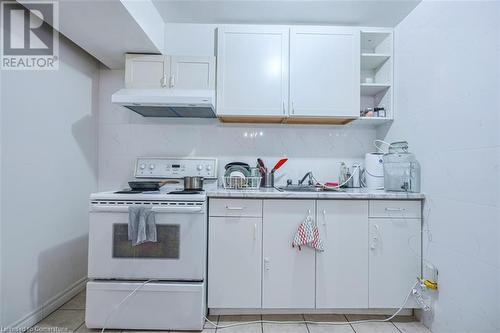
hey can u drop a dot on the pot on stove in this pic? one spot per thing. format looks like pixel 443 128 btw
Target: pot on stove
pixel 193 183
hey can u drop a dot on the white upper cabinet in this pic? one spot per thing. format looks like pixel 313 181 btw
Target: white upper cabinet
pixel 160 71
pixel 146 70
pixel 188 72
pixel 252 71
pixel 324 72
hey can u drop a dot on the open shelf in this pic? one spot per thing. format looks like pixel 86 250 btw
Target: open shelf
pixel 376 42
pixel 372 89
pixel 372 61
pixel 376 67
pixel 371 121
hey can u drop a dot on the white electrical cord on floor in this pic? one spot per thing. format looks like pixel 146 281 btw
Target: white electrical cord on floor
pixel 320 322
pixel 122 302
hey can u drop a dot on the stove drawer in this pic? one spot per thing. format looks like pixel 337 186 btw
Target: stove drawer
pixel 155 306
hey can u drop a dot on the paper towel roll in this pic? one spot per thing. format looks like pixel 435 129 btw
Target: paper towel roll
pixel 374 170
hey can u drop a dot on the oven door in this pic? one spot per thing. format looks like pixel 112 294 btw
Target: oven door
pixel 179 253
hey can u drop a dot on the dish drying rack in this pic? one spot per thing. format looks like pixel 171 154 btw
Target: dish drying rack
pixel 240 183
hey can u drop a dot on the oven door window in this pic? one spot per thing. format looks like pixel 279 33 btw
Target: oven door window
pixel 167 246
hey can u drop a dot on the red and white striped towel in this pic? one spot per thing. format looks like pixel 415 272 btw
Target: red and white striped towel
pixel 308 234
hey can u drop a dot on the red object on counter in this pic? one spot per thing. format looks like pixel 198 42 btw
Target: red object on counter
pixel 279 164
pixel 332 184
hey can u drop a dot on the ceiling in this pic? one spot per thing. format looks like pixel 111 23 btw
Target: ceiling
pixel 344 12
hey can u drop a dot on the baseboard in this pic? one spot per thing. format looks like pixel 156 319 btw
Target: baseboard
pixel 404 312
pixel 48 307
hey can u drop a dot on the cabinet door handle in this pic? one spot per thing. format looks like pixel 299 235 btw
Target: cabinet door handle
pixel 293 108
pixel 163 81
pixel 255 231
pixel 375 237
pixel 388 209
pixel 284 110
pixel 234 208
pixel 172 81
pixel 324 216
pixel 267 263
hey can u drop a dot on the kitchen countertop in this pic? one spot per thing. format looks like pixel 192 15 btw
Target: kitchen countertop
pixel 352 193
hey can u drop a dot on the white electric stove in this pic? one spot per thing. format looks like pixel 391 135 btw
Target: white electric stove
pixel 175 265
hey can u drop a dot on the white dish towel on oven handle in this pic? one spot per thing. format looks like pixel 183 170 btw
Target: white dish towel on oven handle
pixel 141 225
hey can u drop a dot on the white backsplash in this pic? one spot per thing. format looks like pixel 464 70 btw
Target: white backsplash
pixel 125 135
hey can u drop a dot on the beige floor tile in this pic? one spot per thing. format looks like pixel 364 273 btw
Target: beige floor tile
pixel 284 328
pixel 412 327
pixel 212 318
pixel 283 317
pixel 76 303
pixel 68 320
pixel 205 330
pixel 224 320
pixel 403 319
pixel 323 328
pixel 85 329
pixel 252 328
pixel 356 317
pixel 149 331
pixel 324 317
pixel 382 327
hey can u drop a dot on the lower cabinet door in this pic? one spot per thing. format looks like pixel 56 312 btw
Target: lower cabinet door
pixel 234 262
pixel 342 269
pixel 289 273
pixel 395 252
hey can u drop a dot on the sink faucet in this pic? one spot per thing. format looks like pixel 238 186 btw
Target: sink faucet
pixel 307 175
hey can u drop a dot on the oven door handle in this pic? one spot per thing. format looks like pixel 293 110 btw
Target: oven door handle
pixel 177 210
pixel 124 209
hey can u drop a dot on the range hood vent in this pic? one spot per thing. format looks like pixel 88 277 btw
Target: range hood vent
pixel 185 103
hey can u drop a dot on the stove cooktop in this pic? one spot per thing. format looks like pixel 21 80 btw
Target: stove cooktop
pixel 126 195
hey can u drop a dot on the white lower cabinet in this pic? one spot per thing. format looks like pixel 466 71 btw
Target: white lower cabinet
pixel 372 254
pixel 288 279
pixel 342 269
pixel 235 262
pixel 395 260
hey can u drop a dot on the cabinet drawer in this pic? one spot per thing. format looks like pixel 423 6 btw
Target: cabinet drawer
pixel 235 207
pixel 395 209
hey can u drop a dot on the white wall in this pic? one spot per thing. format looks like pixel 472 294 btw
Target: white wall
pixel 48 168
pixel 447 101
pixel 125 135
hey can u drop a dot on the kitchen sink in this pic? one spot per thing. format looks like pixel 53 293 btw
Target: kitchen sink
pixel 307 188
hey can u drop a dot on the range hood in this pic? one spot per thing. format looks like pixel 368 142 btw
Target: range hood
pixel 187 103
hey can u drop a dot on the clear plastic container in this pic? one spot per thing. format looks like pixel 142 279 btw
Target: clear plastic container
pixel 401 169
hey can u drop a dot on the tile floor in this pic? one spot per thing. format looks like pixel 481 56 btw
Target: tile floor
pixel 71 316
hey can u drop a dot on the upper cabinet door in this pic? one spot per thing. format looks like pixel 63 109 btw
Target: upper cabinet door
pixel 188 72
pixel 324 72
pixel 146 71
pixel 252 71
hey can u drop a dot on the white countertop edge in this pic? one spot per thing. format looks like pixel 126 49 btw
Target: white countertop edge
pixel 358 193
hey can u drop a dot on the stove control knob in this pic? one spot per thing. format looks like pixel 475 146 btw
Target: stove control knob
pixel 151 166
pixel 142 166
pixel 199 167
pixel 208 168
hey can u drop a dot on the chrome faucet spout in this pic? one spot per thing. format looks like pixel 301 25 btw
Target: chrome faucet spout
pixel 307 175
